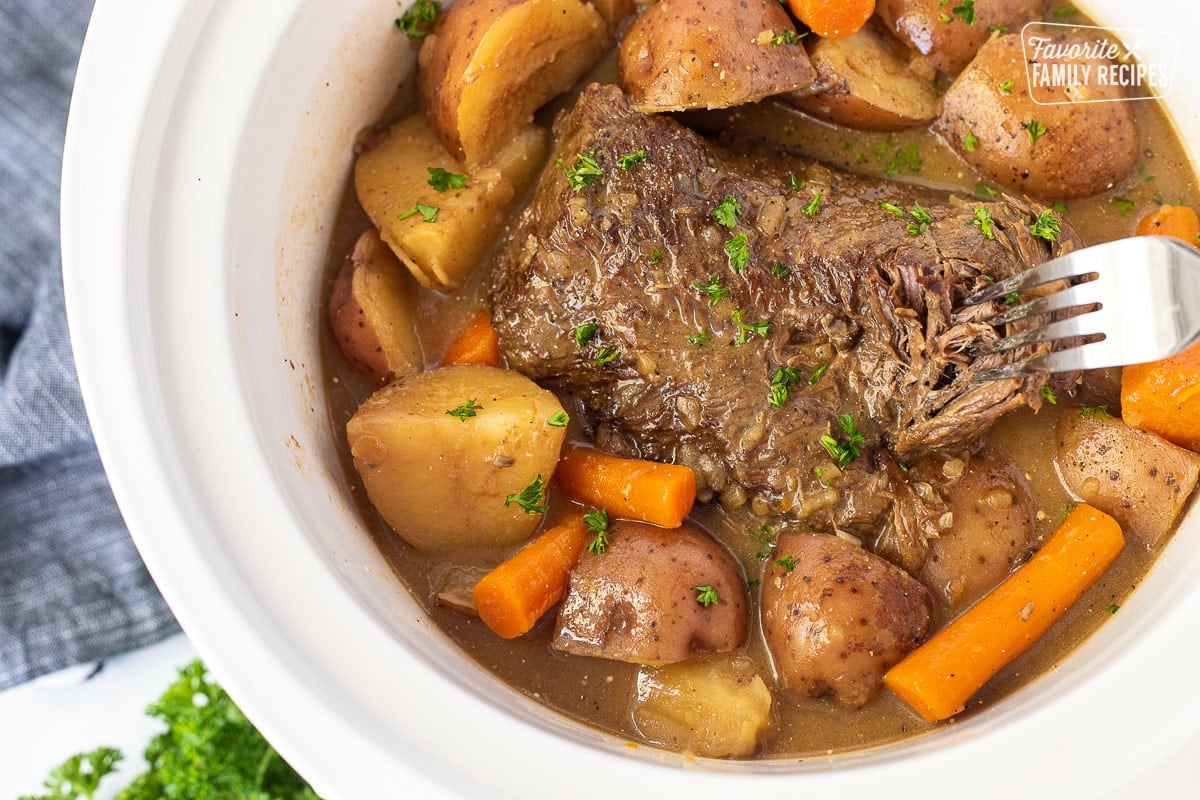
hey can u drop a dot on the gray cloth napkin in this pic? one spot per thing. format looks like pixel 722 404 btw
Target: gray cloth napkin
pixel 72 587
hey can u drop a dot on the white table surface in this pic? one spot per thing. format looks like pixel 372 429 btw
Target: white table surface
pixel 45 722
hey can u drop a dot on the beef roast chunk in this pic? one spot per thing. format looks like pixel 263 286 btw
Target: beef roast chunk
pixel 836 617
pixel 742 335
pixel 654 596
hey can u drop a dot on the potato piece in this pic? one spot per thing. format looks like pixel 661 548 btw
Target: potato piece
pixel 1075 150
pixel 835 617
pixel 683 54
pixel 441 481
pixel 1137 478
pixel 490 64
pixel 393 176
pixel 713 707
pixel 371 312
pixel 992 525
pixel 864 84
pixel 950 45
pixel 638 600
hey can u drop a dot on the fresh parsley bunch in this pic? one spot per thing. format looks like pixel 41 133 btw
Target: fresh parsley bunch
pixel 209 751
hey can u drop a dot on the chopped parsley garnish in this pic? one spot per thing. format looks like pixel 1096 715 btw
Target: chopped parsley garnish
pixel 418 20
pixel 428 213
pixel 1007 86
pixel 1112 608
pixel 794 183
pixel 558 419
pixel 780 270
pixel 966 10
pixel 606 355
pixel 713 288
pixel 1046 226
pixel 814 206
pixel 1011 299
pixel 727 211
pixel 1048 396
pixel 596 522
pixel 844 453
pixel 656 256
pixel 466 410
pixel 997 28
pixel 1095 412
pixel 781 385
pixel 817 373
pixel 1124 205
pixel 787 562
pixel 787 37
pixel 908 158
pixel 700 338
pixel 971 141
pixel 1035 130
pixel 762 535
pixel 531 499
pixel 1059 206
pixel 80 775
pixel 584 333
pixel 627 161
pixel 986 189
pixel 748 329
pixel 820 473
pixel 738 251
pixel 944 17
pixel 585 171
pixel 443 181
pixel 921 220
pixel 706 596
pixel 892 208
pixel 983 221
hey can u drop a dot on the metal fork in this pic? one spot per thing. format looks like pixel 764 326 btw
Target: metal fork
pixel 1124 302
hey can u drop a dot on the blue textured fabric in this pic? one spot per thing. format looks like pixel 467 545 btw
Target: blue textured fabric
pixel 72 587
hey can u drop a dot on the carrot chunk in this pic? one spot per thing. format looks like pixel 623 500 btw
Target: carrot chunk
pixel 662 494
pixel 940 676
pixel 1178 221
pixel 833 19
pixel 1163 397
pixel 513 597
pixel 476 343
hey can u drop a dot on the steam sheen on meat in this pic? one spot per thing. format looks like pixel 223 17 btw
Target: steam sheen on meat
pixel 835 283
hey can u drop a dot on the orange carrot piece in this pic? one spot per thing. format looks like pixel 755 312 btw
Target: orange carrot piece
pixel 1178 221
pixel 833 19
pixel 1163 397
pixel 940 676
pixel 476 343
pixel 512 597
pixel 628 487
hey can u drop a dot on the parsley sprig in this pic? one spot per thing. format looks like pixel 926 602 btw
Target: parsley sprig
pixel 1046 226
pixel 417 21
pixel 427 212
pixel 847 452
pixel 706 596
pixel 748 329
pixel 713 287
pixel 781 386
pixel 727 211
pixel 466 410
pixel 531 499
pixel 443 180
pixel 584 172
pixel 738 251
pixel 596 521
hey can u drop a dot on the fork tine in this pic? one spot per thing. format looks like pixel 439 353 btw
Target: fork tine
pixel 1083 295
pixel 1056 269
pixel 1082 325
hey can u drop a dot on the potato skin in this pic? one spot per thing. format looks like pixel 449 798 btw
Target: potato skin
pixel 489 64
pixel 838 619
pixel 863 84
pixel 950 46
pixel 1139 479
pixel 684 54
pixel 636 601
pixel 439 481
pixel 1086 147
pixel 993 527
pixel 372 312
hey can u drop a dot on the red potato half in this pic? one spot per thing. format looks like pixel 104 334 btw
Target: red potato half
pixel 685 54
pixel 1049 152
pixel 862 83
pixel 489 64
pixel 939 31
